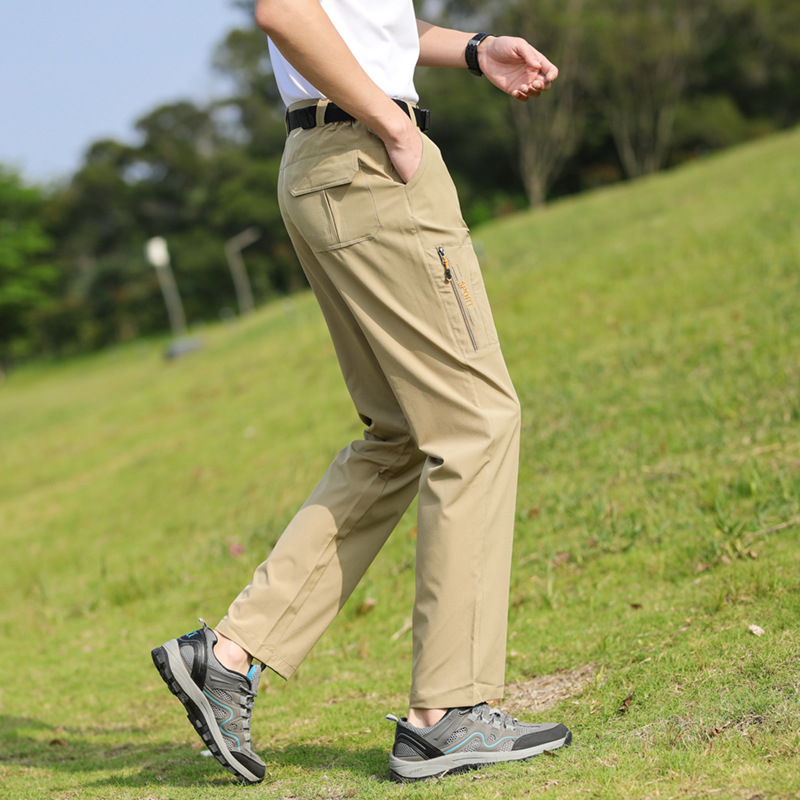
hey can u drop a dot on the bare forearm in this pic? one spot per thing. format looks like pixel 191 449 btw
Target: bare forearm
pixel 441 47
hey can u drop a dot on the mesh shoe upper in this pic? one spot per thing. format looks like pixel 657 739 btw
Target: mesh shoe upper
pixel 466 738
pixel 219 701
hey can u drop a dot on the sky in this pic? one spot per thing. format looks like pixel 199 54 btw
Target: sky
pixel 75 71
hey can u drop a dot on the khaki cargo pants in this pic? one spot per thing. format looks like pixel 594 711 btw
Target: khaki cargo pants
pixel 396 277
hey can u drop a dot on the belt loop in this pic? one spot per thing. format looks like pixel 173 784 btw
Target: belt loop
pixel 322 106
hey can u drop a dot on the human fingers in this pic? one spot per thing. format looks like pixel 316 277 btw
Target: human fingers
pixel 537 60
pixel 512 51
pixel 526 92
pixel 547 70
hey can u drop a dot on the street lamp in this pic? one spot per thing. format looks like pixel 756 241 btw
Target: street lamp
pixel 233 252
pixel 158 256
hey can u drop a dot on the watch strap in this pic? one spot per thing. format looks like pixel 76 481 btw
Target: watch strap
pixel 471 53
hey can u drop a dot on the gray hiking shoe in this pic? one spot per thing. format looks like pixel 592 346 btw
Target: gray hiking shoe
pixel 219 702
pixel 467 738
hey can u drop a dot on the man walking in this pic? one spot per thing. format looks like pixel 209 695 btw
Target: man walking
pixel 375 221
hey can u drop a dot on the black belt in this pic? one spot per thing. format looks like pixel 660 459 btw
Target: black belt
pixel 306 117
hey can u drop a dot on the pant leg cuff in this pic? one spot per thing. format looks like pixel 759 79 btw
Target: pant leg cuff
pixel 457 698
pixel 257 649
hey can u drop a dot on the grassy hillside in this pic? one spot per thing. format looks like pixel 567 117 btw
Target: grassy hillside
pixel 654 336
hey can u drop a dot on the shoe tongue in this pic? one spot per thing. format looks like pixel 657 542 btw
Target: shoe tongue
pixel 253 675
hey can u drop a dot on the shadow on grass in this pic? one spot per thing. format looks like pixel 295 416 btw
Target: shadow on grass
pixel 136 763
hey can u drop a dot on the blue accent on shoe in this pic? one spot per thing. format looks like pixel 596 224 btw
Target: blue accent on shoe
pixel 470 738
pixel 230 717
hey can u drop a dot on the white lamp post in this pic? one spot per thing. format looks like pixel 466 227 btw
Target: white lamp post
pixel 158 255
pixel 233 252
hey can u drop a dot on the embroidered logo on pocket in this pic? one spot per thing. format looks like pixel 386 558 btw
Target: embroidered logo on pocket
pixel 469 294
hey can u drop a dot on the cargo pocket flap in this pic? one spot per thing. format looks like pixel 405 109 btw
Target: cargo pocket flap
pixel 313 174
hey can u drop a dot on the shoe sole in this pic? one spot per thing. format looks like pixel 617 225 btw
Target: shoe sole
pixel 173 671
pixel 401 771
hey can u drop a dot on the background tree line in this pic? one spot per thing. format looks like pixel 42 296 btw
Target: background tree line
pixel 644 85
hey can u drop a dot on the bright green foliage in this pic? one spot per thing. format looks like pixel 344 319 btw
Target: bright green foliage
pixel 25 274
pixel 653 335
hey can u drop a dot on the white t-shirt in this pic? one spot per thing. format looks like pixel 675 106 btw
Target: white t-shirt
pixel 383 37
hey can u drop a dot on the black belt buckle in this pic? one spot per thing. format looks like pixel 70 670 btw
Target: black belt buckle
pixel 423 118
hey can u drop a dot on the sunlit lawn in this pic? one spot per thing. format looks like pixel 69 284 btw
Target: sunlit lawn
pixel 653 334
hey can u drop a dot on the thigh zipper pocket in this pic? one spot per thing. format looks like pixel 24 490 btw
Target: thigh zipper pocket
pixel 462 295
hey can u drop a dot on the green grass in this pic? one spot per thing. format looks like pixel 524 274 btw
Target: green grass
pixel 653 333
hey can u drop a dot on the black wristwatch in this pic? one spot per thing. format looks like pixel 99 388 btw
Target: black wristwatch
pixel 471 53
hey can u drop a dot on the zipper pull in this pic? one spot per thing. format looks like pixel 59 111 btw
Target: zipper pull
pixel 448 276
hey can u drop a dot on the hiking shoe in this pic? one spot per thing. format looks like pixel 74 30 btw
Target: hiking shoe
pixel 467 738
pixel 218 701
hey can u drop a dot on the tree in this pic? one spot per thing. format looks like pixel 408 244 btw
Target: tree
pixel 255 109
pixel 751 55
pixel 25 269
pixel 551 127
pixel 640 57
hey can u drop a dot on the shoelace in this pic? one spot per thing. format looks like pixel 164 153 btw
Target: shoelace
pixel 491 716
pixel 246 701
